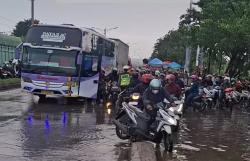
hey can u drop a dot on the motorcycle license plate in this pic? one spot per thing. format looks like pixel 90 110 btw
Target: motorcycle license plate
pixel 133 103
pixel 47 92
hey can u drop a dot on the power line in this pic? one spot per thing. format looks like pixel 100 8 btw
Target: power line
pixel 7 19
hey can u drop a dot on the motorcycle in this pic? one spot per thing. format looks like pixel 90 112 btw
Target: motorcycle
pixel 5 74
pixel 203 101
pixel 178 112
pixel 244 99
pixel 133 123
pixel 113 91
pixel 8 68
pixel 228 100
pixel 123 96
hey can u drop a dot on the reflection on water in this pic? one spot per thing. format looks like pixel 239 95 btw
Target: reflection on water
pixel 51 130
pixel 214 136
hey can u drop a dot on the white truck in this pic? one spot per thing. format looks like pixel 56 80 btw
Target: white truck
pixel 121 54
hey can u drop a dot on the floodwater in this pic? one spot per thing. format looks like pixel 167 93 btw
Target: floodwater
pixel 83 131
pixel 49 131
pixel 216 135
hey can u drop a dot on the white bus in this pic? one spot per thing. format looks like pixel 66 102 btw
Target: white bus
pixel 65 60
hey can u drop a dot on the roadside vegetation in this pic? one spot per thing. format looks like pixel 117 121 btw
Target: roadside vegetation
pixel 220 28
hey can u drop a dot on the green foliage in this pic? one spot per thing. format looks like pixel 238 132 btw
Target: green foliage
pixel 171 46
pixel 221 28
pixel 22 28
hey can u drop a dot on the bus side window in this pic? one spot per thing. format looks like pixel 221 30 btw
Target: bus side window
pixel 90 65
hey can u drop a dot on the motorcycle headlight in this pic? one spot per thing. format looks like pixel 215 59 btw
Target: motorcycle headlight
pixel 135 96
pixel 109 111
pixel 108 104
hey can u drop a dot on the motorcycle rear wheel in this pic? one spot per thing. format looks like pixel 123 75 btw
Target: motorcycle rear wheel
pixel 123 119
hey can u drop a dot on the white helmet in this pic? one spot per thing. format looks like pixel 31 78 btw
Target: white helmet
pixel 126 67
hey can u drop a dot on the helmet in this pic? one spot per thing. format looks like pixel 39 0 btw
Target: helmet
pixel 226 78
pixel 157 73
pixel 194 77
pixel 209 76
pixel 155 84
pixel 146 78
pixel 114 69
pixel 126 67
pixel 170 77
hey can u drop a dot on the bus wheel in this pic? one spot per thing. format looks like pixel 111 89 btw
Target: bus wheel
pixel 42 98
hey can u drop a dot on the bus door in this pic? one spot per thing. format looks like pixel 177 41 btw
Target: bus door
pixel 89 76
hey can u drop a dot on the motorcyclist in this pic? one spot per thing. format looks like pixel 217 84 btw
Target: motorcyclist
pixel 207 82
pixel 124 78
pixel 178 80
pixel 238 86
pixel 113 76
pixel 134 79
pixel 157 74
pixel 193 91
pixel 172 88
pixel 154 94
pixel 141 87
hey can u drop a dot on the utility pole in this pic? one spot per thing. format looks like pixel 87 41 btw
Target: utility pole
pixel 188 47
pixel 32 12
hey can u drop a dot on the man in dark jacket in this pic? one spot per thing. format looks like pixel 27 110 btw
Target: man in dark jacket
pixel 152 96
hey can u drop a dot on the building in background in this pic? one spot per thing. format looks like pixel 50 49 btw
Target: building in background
pixel 8 47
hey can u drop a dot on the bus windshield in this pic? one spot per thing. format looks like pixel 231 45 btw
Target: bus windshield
pixel 49 61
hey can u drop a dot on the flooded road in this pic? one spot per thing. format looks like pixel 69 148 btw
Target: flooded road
pixel 214 136
pixel 48 131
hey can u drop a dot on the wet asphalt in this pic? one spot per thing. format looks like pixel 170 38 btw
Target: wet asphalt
pixel 32 130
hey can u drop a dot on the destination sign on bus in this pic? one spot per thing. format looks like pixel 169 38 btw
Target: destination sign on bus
pixel 54 36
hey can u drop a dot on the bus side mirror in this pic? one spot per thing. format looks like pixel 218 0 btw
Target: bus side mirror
pixel 79 59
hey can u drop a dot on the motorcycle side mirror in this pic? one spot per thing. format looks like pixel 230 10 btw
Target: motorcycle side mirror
pixel 166 101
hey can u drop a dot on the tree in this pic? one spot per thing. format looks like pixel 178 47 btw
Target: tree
pixel 22 28
pixel 221 28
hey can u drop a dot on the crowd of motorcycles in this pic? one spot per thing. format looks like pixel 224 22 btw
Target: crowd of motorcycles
pixel 131 121
pixel 10 69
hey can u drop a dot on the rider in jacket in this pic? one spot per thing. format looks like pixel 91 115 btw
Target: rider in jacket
pixel 145 80
pixel 154 94
pixel 172 87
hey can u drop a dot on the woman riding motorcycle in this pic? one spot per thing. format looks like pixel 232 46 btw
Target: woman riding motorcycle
pixel 172 88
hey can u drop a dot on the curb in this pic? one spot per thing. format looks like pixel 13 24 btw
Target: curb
pixel 8 87
pixel 143 151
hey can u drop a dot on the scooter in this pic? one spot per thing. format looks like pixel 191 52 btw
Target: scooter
pixel 133 123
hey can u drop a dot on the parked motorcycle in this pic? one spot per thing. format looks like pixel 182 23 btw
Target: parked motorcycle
pixel 133 123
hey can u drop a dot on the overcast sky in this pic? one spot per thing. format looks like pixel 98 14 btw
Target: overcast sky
pixel 140 22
